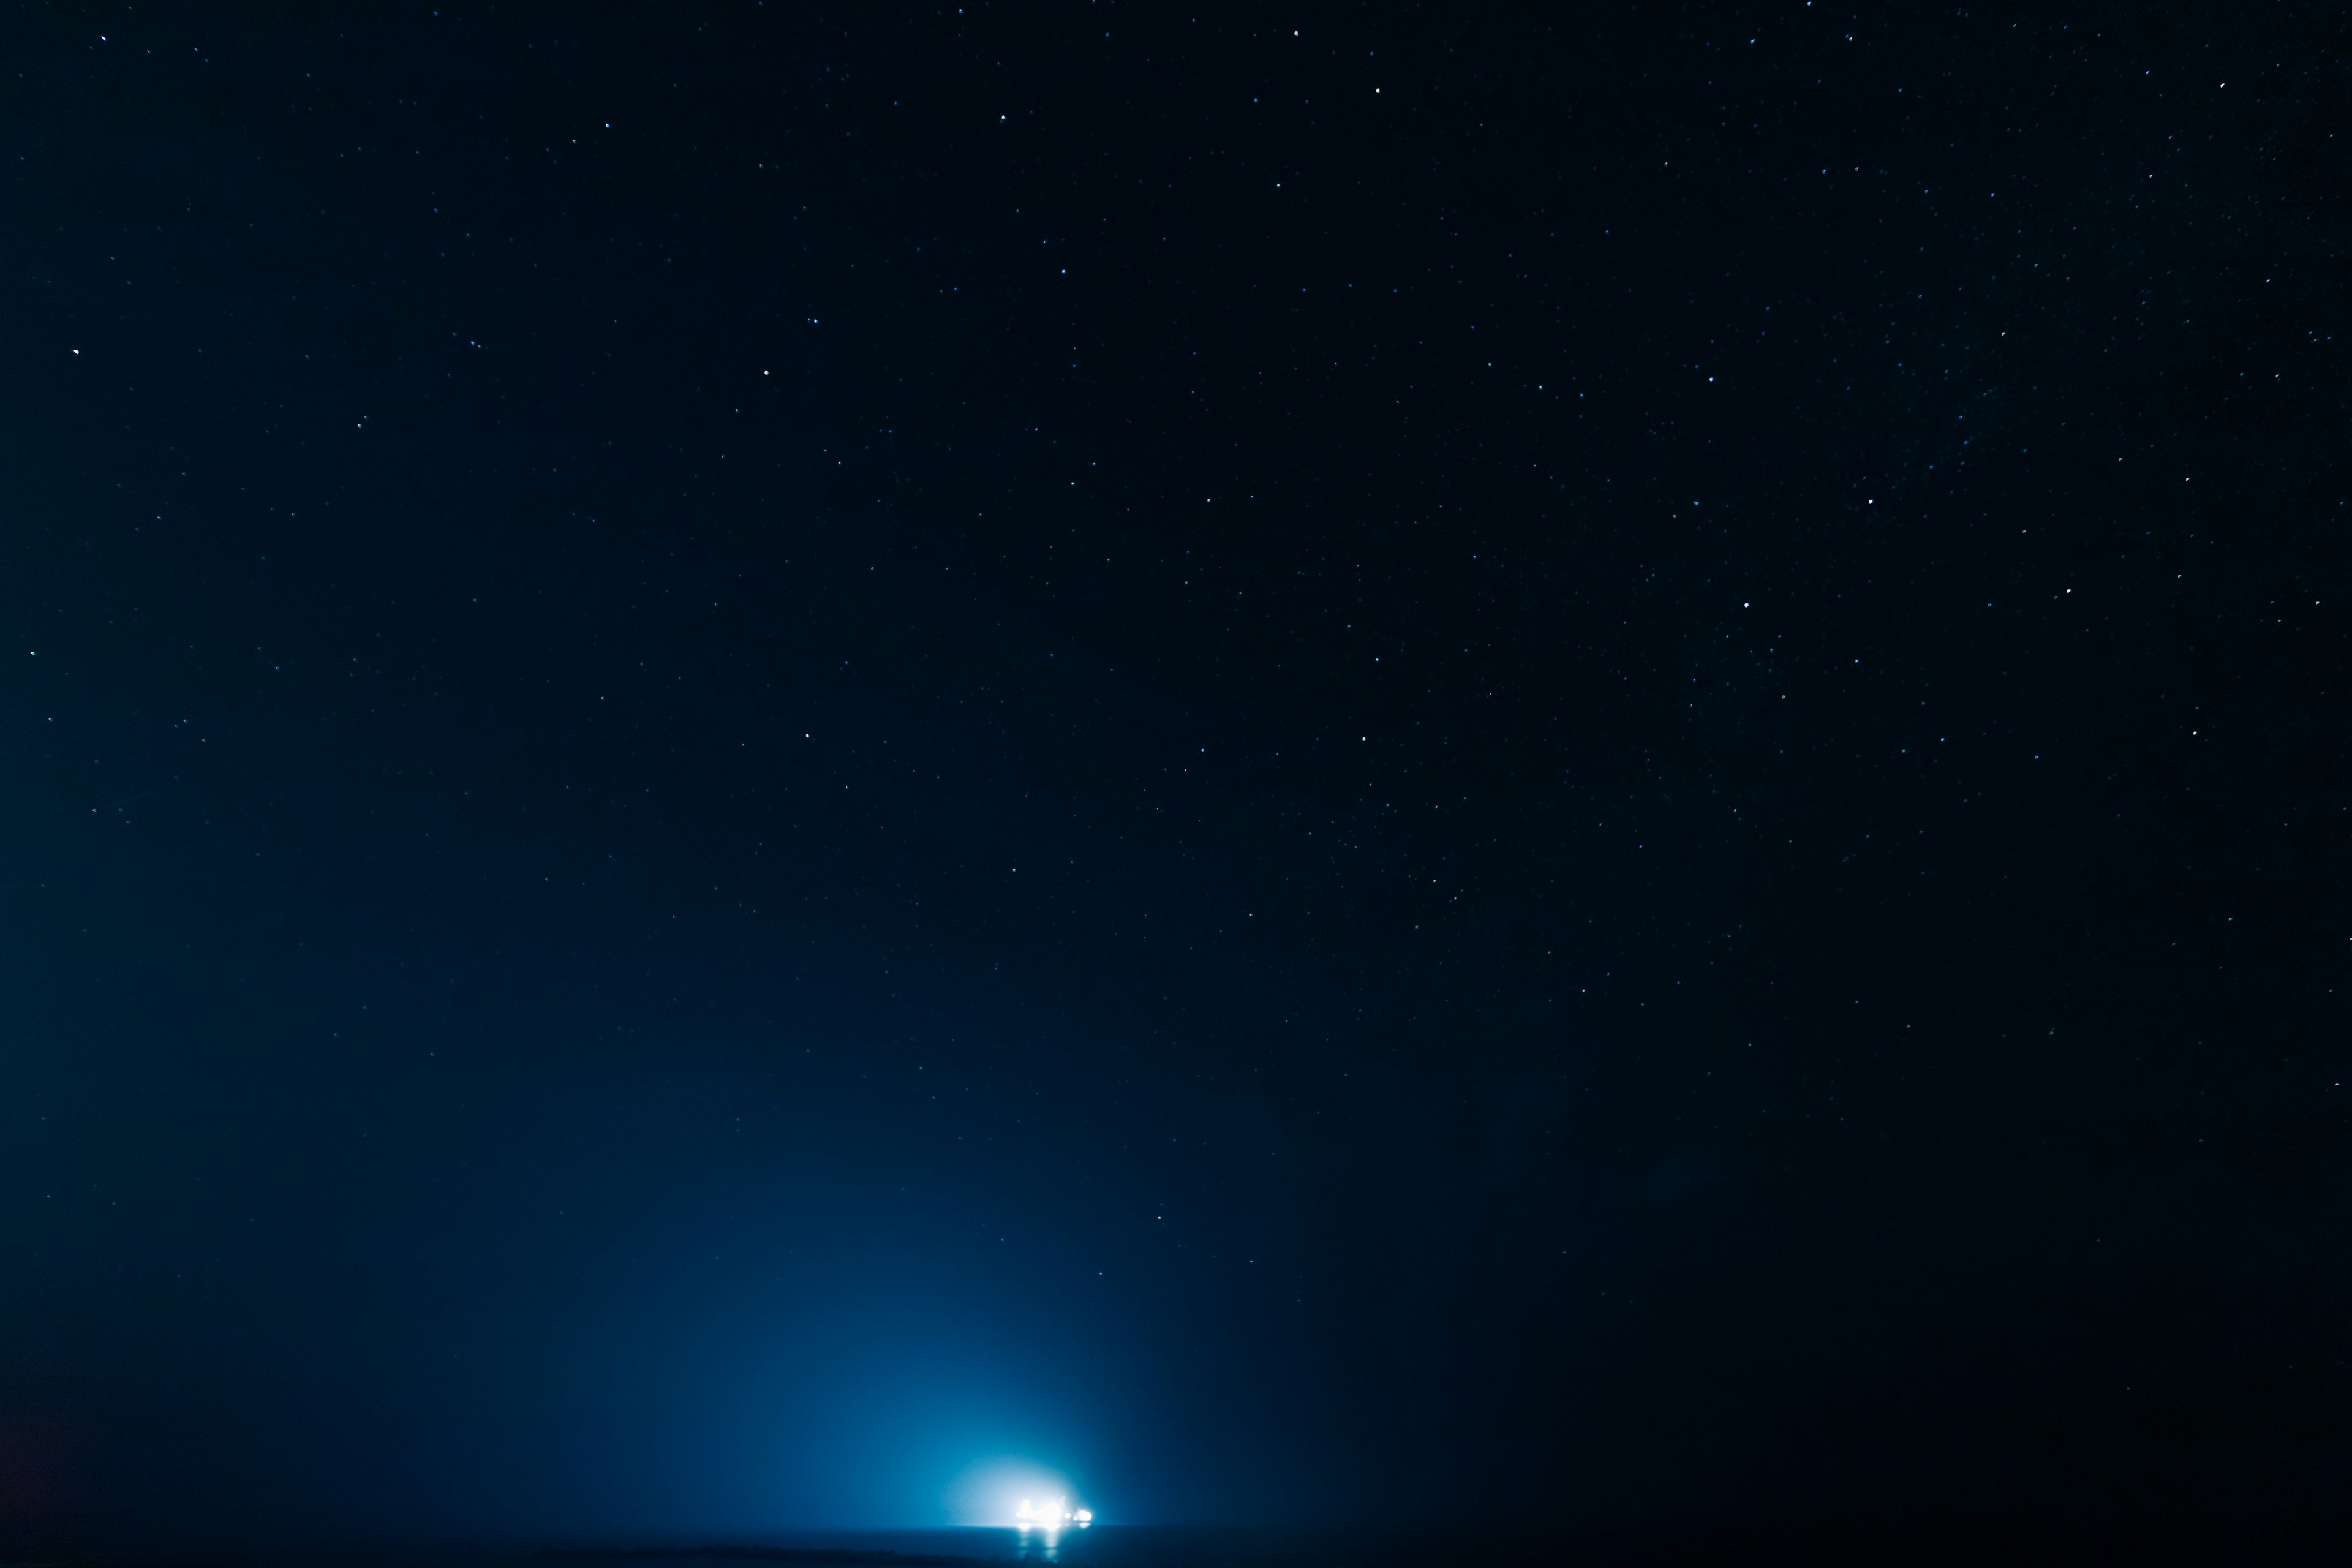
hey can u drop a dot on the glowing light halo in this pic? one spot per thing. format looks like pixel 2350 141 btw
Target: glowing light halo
pixel 1051 1516
pixel 1011 1492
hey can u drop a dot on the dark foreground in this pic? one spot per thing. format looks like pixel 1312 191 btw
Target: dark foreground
pixel 1473 1545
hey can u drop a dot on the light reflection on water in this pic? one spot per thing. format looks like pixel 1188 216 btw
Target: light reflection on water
pixel 1041 1542
pixel 955 1545
pixel 1004 1546
pixel 1096 1546
pixel 1065 1543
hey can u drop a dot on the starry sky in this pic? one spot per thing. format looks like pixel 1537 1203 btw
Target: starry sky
pixel 1320 764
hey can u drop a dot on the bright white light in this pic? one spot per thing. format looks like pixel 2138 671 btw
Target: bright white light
pixel 1007 1489
pixel 1051 1515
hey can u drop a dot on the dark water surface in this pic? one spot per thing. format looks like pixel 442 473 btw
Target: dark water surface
pixel 1473 1544
pixel 1478 1544
pixel 1098 1546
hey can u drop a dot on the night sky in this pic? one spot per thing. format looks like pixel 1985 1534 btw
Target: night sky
pixel 1345 764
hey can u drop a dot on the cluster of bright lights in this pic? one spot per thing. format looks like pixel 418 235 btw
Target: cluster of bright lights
pixel 1053 1515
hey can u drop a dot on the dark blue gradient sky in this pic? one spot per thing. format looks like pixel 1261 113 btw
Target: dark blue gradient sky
pixel 1568 763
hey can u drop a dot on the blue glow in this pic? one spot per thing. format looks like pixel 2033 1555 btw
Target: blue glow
pixel 1006 1489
